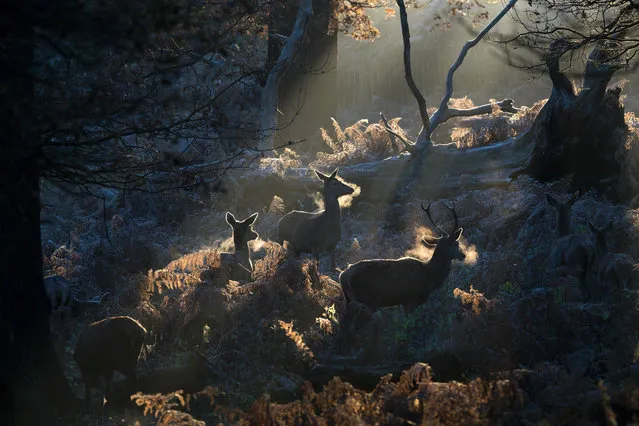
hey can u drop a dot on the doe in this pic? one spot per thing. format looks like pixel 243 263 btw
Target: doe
pixel 574 253
pixel 614 270
pixel 319 231
pixel 239 262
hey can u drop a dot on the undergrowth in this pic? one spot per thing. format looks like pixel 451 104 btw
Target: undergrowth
pixel 502 341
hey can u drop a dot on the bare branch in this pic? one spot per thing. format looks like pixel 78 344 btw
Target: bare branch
pixel 268 119
pixel 408 73
pixel 506 105
pixel 440 115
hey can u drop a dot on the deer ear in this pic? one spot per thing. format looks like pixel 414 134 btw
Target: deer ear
pixel 230 219
pixel 430 241
pixel 332 176
pixel 457 234
pixel 251 219
pixel 322 176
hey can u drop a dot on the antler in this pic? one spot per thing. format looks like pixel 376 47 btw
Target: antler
pixel 427 210
pixel 456 226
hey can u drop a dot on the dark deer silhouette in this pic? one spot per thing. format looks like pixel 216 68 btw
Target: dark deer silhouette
pixel 60 296
pixel 239 262
pixel 571 253
pixel 408 282
pixel 320 231
pixel 614 270
pixel 112 344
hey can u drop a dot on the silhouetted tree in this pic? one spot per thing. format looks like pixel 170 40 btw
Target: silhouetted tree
pixel 98 94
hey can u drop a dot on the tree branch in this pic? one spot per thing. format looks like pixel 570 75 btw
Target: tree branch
pixel 506 105
pixel 408 73
pixel 268 114
pixel 441 114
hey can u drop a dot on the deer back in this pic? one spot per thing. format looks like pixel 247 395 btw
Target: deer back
pixel 112 344
pixel 377 283
pixel 616 271
pixel 575 251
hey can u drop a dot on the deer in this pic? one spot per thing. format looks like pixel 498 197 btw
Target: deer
pixel 105 346
pixel 60 297
pixel 316 232
pixel 377 283
pixel 239 262
pixel 571 253
pixel 614 270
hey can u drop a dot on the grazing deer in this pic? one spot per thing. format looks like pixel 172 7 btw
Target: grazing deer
pixel 60 296
pixel 319 231
pixel 573 253
pixel 406 281
pixel 112 344
pixel 615 270
pixel 239 261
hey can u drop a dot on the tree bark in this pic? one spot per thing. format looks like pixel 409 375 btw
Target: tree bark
pixel 31 372
pixel 269 111
pixel 580 134
pixel 308 97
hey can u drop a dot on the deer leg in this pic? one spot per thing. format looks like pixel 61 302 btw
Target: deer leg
pixel 333 259
pixel 370 351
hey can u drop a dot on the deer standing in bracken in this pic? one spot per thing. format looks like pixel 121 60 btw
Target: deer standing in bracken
pixel 239 262
pixel 573 253
pixel 407 281
pixel 614 270
pixel 60 297
pixel 112 344
pixel 319 231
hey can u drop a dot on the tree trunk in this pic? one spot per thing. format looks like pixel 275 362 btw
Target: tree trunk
pixel 580 134
pixel 31 372
pixel 308 94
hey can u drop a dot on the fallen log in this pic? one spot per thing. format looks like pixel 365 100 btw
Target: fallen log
pixel 444 170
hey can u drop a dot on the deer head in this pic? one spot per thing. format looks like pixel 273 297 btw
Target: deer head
pixel 446 244
pixel 243 231
pixel 333 187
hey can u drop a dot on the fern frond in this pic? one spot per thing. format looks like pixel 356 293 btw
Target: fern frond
pixel 328 140
pixel 341 137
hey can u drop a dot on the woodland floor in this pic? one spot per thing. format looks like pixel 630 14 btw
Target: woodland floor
pixel 502 341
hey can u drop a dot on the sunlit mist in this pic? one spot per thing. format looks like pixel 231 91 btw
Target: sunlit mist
pixel 423 253
pixel 419 250
pixel 347 200
pixel 226 245
pixel 257 244
pixel 470 250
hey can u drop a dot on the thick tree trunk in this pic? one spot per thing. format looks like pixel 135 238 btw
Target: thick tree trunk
pixel 308 94
pixel 580 134
pixel 31 372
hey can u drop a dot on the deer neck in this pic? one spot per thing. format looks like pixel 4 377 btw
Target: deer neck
pixel 600 244
pixel 438 266
pixel 242 252
pixel 331 207
pixel 563 225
